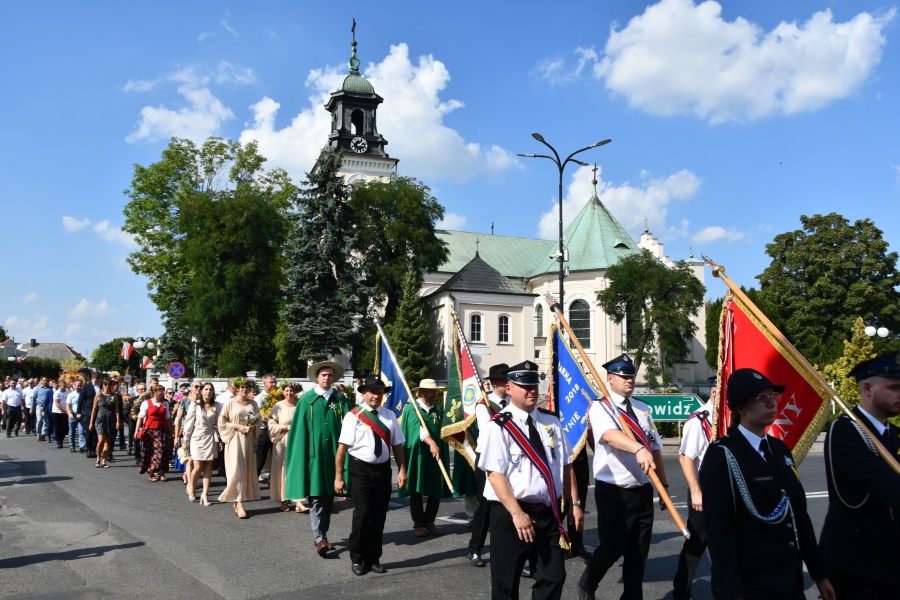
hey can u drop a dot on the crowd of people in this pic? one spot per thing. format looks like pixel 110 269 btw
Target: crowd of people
pixel 746 502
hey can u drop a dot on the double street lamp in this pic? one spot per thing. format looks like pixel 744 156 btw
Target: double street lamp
pixel 561 165
pixel 875 327
pixel 141 343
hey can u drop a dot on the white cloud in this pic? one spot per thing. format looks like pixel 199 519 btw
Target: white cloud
pixel 25 329
pixel 205 36
pixel 72 224
pixel 229 73
pixel 113 234
pixel 413 114
pixel 139 85
pixel 72 330
pixel 715 233
pixel 629 204
pixel 224 24
pixel 451 221
pixel 682 58
pixel 556 70
pixel 85 309
pixel 31 298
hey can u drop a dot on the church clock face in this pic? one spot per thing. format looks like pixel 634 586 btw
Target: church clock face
pixel 358 145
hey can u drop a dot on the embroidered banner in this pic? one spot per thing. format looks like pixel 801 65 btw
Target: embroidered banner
pixel 574 391
pixel 465 390
pixel 397 398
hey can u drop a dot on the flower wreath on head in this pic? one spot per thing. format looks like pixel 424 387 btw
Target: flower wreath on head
pixel 294 385
pixel 240 380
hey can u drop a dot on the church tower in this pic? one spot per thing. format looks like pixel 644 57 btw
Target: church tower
pixel 353 110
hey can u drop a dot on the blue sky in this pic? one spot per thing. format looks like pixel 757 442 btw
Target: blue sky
pixel 729 121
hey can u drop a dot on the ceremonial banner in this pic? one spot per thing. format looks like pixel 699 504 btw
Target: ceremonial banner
pixel 574 391
pixel 396 399
pixel 127 349
pixel 745 342
pixel 465 390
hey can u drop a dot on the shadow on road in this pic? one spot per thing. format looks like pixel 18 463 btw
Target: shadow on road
pixel 76 554
pixel 48 479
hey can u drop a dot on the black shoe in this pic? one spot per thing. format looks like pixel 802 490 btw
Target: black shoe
pixel 110 458
pixel 82 450
pixel 527 571
pixel 59 446
pixel 359 569
pixel 71 449
pixel 583 593
pixel 475 559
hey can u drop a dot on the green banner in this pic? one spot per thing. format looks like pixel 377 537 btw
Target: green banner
pixel 671 407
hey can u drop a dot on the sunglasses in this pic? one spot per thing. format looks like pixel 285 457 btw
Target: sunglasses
pixel 774 397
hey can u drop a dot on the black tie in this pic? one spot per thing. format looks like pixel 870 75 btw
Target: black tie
pixel 630 410
pixel 378 444
pixel 767 453
pixel 886 438
pixel 535 437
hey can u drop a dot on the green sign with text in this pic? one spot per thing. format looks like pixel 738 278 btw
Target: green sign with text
pixel 671 407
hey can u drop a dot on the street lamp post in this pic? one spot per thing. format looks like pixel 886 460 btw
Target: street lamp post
pixel 875 327
pixel 561 165
pixel 194 342
pixel 139 344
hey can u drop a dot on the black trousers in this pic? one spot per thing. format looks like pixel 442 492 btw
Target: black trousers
pixel 849 584
pixel 263 445
pixel 371 485
pixel 582 473
pixel 13 418
pixel 624 525
pixel 60 427
pixel 426 515
pixel 509 553
pixel 481 521
pixel 691 553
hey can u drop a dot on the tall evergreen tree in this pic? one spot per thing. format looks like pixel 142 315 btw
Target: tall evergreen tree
pixel 322 291
pixel 408 332
pixel 857 349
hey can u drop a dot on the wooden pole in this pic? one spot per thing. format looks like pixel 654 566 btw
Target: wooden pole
pixel 719 271
pixel 663 494
pixel 412 398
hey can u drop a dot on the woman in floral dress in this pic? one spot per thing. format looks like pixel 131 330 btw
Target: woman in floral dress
pixel 153 416
pixel 239 428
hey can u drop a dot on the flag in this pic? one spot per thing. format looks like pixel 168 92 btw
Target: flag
pixel 127 349
pixel 388 371
pixel 147 362
pixel 745 342
pixel 571 391
pixel 465 390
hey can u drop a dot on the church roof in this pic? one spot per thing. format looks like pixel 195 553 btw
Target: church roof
pixel 478 276
pixel 356 83
pixel 511 256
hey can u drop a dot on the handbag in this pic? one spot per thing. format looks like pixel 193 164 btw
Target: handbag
pixel 140 434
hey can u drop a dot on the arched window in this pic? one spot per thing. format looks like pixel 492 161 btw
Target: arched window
pixel 475 333
pixel 539 320
pixel 580 322
pixel 503 329
pixel 357 122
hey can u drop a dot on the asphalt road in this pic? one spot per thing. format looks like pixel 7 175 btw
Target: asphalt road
pixel 70 531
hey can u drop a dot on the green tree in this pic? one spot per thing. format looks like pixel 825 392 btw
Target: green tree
pixel 395 228
pixel 825 275
pixel 713 328
pixel 322 289
pixel 362 359
pixel 287 354
pixel 667 298
pixel 857 349
pixel 408 332
pixel 3 334
pixel 108 356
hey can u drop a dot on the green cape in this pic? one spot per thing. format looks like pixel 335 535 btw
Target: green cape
pixel 423 475
pixel 312 445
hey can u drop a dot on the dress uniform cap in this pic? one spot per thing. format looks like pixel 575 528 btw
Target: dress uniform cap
pixel 524 373
pixel 373 382
pixel 711 381
pixel 744 382
pixel 498 371
pixel 621 365
pixel 883 365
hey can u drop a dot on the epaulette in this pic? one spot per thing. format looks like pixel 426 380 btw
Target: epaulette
pixel 501 417
pixel 546 412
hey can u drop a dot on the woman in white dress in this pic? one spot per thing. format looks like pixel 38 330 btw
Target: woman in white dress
pixel 279 427
pixel 201 440
pixel 239 428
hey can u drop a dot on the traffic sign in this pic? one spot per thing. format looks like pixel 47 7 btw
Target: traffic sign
pixel 176 370
pixel 671 407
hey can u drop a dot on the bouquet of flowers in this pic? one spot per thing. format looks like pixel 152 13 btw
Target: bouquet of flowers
pixel 250 419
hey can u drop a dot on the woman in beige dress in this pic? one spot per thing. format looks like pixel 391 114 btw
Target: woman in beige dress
pixel 239 428
pixel 201 439
pixel 279 426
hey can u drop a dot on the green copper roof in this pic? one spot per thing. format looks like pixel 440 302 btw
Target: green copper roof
pixel 511 256
pixel 354 82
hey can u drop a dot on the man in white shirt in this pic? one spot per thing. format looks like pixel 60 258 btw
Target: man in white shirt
pixel 622 489
pixel 74 414
pixel 12 403
pixel 28 407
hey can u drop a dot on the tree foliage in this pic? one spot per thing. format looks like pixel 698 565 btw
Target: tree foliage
pixel 858 348
pixel 323 288
pixel 395 229
pixel 825 275
pixel 108 356
pixel 667 298
pixel 31 367
pixel 208 221
pixel 408 333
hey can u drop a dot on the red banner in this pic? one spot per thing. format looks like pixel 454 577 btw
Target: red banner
pixel 744 342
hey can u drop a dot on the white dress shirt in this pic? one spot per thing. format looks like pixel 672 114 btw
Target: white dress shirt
pixel 12 397
pixel 500 453
pixel 616 466
pixel 693 437
pixel 755 440
pixel 361 439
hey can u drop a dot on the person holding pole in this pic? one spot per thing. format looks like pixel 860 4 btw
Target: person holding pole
pixel 527 459
pixel 695 438
pixel 862 527
pixel 623 489
pixel 759 532
pixel 423 447
pixel 368 434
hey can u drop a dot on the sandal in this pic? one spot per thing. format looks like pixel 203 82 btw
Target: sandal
pixel 301 508
pixel 97 465
pixel 152 478
pixel 105 466
pixel 162 478
pixel 285 506
pixel 204 501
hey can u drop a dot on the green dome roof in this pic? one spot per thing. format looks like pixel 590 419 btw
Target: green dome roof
pixel 354 82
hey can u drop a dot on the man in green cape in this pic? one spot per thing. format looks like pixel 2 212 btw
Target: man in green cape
pixel 312 445
pixel 423 447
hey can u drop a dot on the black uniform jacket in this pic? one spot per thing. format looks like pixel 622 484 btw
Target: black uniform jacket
pixel 863 540
pixel 751 558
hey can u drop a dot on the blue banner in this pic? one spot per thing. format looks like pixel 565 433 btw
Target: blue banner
pixel 396 399
pixel 574 393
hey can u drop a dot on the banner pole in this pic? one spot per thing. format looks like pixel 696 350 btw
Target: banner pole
pixel 663 494
pixel 412 398
pixel 719 271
